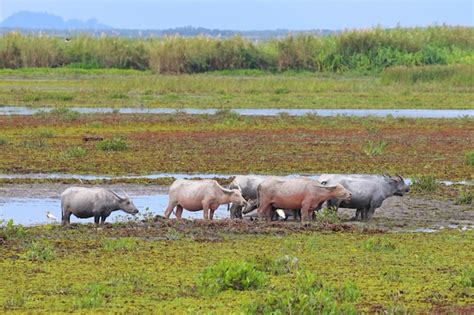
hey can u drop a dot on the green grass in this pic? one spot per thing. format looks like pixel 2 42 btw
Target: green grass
pixel 114 144
pixel 311 272
pixel 113 88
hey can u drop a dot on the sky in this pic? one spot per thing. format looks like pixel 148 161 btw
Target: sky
pixel 253 14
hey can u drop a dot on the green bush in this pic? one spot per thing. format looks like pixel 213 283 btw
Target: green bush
pixel 38 251
pixel 114 144
pixel 3 141
pixel 233 275
pixel 44 133
pixel 8 230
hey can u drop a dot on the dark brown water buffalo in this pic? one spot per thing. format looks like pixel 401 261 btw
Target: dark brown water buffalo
pixel 296 193
pixel 196 195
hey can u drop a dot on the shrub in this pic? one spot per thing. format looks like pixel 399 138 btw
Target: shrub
pixel 234 275
pixel 15 302
pixel 3 141
pixel 424 183
pixel 114 144
pixel 38 251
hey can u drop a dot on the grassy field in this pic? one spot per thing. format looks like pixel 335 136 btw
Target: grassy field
pixel 436 87
pixel 231 144
pixel 171 267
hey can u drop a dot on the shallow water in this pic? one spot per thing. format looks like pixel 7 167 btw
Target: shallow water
pixel 32 211
pixel 408 113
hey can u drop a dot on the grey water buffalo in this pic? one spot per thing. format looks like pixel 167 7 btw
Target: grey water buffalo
pixel 368 191
pixel 196 195
pixel 296 193
pixel 247 184
pixel 94 202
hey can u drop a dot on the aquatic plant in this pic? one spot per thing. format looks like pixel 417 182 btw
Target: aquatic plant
pixel 470 158
pixel 10 230
pixel 234 275
pixel 465 278
pixel 114 144
pixel 328 215
pixel 63 113
pixel 74 153
pixel 40 251
pixel 377 244
pixel 465 197
pixel 282 265
pixel 124 243
pixel 424 183
pixel 374 149
pixel 92 296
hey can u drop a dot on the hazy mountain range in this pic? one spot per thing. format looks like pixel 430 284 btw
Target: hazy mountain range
pixel 47 21
pixel 32 22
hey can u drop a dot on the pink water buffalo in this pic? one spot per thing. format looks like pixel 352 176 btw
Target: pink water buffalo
pixel 296 193
pixel 196 195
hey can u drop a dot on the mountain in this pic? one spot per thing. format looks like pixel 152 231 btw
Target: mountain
pixel 46 21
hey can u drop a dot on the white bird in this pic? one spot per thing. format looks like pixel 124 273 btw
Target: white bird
pixel 51 216
pixel 281 213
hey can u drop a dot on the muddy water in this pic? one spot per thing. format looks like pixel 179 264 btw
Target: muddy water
pixel 32 211
pixel 408 113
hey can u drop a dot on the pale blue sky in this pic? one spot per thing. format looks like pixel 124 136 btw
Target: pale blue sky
pixel 253 14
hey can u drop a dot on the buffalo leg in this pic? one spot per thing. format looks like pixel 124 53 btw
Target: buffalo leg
pixel 65 216
pixel 235 212
pixel 211 213
pixel 102 219
pixel 179 212
pixel 205 213
pixel 169 209
pixel 96 219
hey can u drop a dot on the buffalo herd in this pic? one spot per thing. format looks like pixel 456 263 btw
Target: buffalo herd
pixel 271 197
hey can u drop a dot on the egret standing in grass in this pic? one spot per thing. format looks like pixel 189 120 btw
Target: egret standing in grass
pixel 51 216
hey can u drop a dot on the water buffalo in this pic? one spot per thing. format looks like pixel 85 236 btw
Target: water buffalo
pixel 296 193
pixel 93 202
pixel 247 184
pixel 195 195
pixel 368 191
